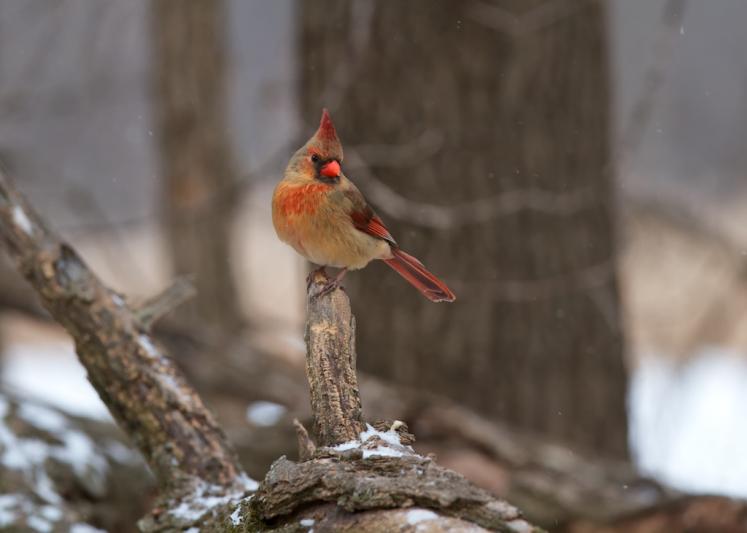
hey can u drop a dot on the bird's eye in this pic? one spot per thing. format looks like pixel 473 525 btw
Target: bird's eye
pixel 315 158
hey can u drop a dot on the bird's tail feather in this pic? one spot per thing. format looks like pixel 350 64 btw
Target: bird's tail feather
pixel 413 271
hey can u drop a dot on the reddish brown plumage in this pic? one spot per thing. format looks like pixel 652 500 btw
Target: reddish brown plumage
pixel 305 199
pixel 371 224
pixel 321 214
pixel 413 271
pixel 326 128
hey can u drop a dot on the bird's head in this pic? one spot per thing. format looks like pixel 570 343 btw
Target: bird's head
pixel 320 158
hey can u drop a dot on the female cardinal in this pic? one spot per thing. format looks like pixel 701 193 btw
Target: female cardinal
pixel 326 219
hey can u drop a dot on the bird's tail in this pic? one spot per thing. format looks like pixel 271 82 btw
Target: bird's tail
pixel 413 271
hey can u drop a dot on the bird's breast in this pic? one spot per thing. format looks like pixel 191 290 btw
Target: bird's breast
pixel 295 200
pixel 294 207
pixel 309 219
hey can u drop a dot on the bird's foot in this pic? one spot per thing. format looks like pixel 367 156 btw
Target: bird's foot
pixel 332 284
pixel 310 277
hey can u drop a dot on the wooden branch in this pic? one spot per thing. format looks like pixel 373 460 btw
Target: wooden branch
pixel 330 364
pixel 306 447
pixel 155 308
pixel 140 385
pixel 369 474
pixel 358 484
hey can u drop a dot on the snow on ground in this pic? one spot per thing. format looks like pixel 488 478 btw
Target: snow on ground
pixel 687 422
pixel 265 413
pixel 206 498
pixel 50 372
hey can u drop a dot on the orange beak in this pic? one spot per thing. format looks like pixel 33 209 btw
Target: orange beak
pixel 331 170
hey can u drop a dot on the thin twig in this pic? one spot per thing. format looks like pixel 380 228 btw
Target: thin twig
pixel 519 25
pixel 306 446
pixel 155 308
pixel 672 17
pixel 482 210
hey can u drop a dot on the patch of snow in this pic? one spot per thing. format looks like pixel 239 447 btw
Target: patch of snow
pixel 122 454
pixel 382 451
pixel 85 528
pixel 265 414
pixel 81 453
pixel 78 449
pixel 148 346
pixel 29 455
pixel 11 457
pixel 248 483
pixel 521 526
pixel 206 497
pixel 9 502
pixel 39 524
pixel 6 517
pixel 42 417
pixel 307 522
pixel 236 516
pixel 415 516
pixel 51 513
pixel 295 341
pixel 392 446
pixel 19 507
pixel 21 220
pixel 52 373
pixel 44 486
pixel 192 530
pixel 391 437
pixel 349 445
pixel 118 301
pixel 687 423
pixel 169 382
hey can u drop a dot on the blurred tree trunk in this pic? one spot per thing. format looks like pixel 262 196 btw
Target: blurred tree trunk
pixel 195 154
pixel 518 93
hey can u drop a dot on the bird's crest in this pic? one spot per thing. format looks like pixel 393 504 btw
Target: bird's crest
pixel 325 141
pixel 326 131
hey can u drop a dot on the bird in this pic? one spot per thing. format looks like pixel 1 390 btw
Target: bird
pixel 321 214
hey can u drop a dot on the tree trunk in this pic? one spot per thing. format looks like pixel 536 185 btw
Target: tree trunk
pixel 189 72
pixel 497 177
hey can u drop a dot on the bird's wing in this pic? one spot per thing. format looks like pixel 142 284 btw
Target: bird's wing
pixel 364 219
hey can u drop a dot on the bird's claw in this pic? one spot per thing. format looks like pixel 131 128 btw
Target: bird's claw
pixel 331 284
pixel 310 277
pixel 328 287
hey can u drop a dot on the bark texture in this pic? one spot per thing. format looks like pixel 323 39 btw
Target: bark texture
pixel 480 133
pixel 190 105
pixel 140 385
pixel 330 366
pixel 359 471
pixel 356 484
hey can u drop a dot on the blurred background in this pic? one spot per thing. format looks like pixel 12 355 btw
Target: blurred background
pixel 574 169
